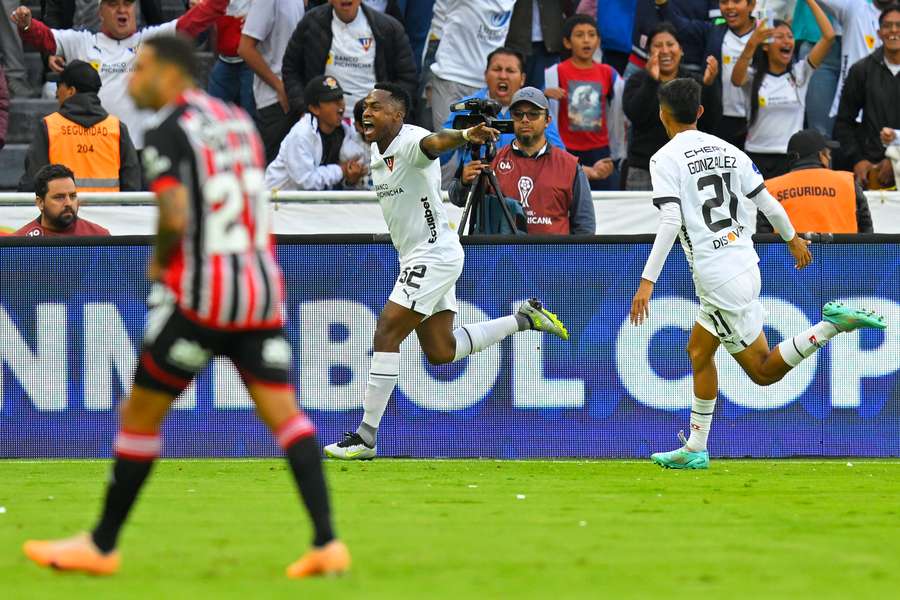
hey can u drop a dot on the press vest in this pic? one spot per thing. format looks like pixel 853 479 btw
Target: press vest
pixel 91 152
pixel 542 185
pixel 817 200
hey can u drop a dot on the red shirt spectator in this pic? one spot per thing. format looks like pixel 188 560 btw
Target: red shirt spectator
pixel 57 199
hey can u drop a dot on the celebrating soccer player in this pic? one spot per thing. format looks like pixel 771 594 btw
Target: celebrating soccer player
pixel 217 291
pixel 701 185
pixel 407 180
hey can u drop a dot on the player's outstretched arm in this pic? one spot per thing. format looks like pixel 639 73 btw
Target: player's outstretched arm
pixel 669 225
pixel 779 219
pixel 173 203
pixel 450 139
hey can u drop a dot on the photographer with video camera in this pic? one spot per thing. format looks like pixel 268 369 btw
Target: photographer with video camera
pixel 504 75
pixel 547 182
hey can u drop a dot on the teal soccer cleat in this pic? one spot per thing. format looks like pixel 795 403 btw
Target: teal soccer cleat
pixel 849 319
pixel 681 458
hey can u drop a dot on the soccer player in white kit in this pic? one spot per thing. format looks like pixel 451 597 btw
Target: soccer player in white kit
pixel 703 186
pixel 407 177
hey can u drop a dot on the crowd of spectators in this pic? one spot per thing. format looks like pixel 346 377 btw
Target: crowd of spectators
pixel 302 67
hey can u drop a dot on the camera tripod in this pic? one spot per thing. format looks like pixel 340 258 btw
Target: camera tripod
pixel 486 183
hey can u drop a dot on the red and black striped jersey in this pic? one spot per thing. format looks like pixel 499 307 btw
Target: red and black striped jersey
pixel 223 272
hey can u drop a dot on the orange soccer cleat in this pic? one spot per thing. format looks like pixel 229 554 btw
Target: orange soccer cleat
pixel 331 559
pixel 74 554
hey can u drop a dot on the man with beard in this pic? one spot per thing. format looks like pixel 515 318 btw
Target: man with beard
pixel 57 199
pixel 548 182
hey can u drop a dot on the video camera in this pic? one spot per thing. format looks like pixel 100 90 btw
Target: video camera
pixel 480 111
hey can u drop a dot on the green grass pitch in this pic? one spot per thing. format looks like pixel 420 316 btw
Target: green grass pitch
pixel 476 529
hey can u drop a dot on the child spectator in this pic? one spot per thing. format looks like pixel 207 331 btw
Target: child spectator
pixel 585 88
pixel 725 42
pixel 775 89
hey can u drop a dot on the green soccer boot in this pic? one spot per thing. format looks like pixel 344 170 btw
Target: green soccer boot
pixel 849 319
pixel 682 458
pixel 542 319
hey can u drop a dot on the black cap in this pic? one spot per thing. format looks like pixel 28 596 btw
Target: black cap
pixel 81 76
pixel 808 142
pixel 322 88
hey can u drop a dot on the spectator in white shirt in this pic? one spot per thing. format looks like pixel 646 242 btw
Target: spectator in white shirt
pixel 775 89
pixel 858 20
pixel 354 44
pixel 265 36
pixel 472 30
pixel 310 157
pixel 112 50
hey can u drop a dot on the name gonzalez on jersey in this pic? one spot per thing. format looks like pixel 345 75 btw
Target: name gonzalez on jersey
pixel 709 163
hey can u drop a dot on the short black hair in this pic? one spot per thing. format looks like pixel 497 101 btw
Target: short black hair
pixel 572 22
pixel 48 173
pixel 358 109
pixel 175 50
pixel 662 27
pixel 682 98
pixel 398 94
pixel 895 7
pixel 506 51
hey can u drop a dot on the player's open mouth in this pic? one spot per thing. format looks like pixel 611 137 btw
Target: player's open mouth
pixel 368 127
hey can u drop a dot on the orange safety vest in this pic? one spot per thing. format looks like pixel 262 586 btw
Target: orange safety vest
pixel 817 200
pixel 92 153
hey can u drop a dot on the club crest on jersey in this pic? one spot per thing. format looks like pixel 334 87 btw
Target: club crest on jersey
pixel 365 42
pixel 730 238
pixel 389 161
pixel 526 186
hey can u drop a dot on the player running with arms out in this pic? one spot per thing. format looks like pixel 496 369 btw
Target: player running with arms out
pixel 407 179
pixel 702 185
pixel 217 290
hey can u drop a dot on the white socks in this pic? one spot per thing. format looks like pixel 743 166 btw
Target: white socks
pixel 701 419
pixel 382 379
pixel 476 337
pixel 794 350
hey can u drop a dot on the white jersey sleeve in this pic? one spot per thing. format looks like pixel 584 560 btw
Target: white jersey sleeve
pixel 72 44
pixel 410 148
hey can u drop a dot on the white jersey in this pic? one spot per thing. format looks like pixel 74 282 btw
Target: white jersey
pixel 408 185
pixel 473 29
pixel 712 181
pixel 114 60
pixel 733 104
pixel 782 106
pixel 859 21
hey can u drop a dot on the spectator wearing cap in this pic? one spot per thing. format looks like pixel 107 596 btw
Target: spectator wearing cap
pixel 56 196
pixel 310 157
pixel 818 199
pixel 547 181
pixel 505 75
pixel 95 145
pixel 354 44
pixel 113 50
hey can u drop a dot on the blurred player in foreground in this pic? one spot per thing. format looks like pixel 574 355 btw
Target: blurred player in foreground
pixel 701 185
pixel 217 290
pixel 407 179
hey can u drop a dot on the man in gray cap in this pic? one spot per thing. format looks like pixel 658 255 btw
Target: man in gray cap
pixel 816 198
pixel 547 181
pixel 95 145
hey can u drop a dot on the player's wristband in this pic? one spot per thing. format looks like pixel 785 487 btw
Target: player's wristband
pixel 465 134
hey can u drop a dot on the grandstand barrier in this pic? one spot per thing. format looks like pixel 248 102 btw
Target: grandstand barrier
pixel 133 213
pixel 72 312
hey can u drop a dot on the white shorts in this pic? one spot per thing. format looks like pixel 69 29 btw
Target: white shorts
pixel 732 312
pixel 427 288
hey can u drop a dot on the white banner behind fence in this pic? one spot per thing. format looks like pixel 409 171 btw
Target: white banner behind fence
pixel 342 212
